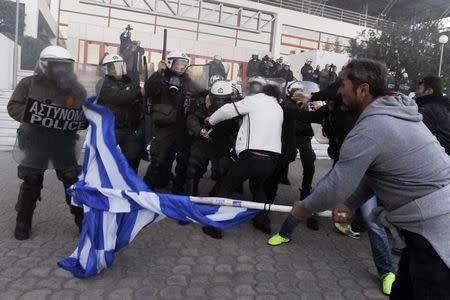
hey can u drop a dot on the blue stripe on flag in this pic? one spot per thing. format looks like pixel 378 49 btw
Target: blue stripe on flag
pixel 118 204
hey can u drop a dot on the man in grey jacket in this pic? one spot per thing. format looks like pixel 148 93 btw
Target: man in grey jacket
pixel 392 154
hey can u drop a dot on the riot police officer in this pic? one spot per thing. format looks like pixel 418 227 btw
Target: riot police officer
pixel 285 72
pixel 307 71
pixel 253 66
pixel 46 140
pixel 217 68
pixel 266 67
pixel 303 136
pixel 214 145
pixel 123 97
pixel 166 90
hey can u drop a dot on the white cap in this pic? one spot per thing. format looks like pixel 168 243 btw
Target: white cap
pixel 222 88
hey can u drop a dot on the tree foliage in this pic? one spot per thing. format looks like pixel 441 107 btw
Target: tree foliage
pixel 410 51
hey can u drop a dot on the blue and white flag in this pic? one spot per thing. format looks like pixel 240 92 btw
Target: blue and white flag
pixel 118 204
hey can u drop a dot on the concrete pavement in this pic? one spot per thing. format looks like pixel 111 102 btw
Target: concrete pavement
pixel 168 261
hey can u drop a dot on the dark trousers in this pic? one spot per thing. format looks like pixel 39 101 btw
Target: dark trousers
pixel 132 145
pixel 307 157
pixel 422 274
pixel 249 166
pixel 166 146
pixel 271 184
pixel 30 189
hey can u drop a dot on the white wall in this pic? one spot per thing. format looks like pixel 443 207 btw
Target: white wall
pixel 95 27
pixel 7 54
pixel 319 57
pixel 32 9
pixel 48 16
pixel 31 17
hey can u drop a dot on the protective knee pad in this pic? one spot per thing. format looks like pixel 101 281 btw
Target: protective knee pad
pixel 32 180
pixel 220 167
pixel 68 176
pixel 194 169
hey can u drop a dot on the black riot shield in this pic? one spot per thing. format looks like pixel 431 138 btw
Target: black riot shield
pixel 52 131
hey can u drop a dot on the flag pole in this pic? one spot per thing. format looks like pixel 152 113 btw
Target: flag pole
pixel 239 203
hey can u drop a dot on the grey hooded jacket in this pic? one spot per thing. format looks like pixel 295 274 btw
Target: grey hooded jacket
pixel 392 154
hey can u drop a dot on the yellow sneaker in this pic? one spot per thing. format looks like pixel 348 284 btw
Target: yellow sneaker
pixel 346 229
pixel 277 240
pixel 386 283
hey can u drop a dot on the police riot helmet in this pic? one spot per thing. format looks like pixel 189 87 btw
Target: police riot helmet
pixel 114 65
pixel 55 61
pixel 222 88
pixel 306 87
pixel 286 63
pixel 177 62
pixel 237 88
pixel 221 93
pixel 255 85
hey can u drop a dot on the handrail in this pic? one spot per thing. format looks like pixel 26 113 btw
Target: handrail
pixel 326 11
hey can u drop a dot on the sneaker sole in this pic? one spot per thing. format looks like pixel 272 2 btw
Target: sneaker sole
pixel 278 244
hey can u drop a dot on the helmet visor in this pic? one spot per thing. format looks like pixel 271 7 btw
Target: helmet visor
pixel 59 68
pixel 116 69
pixel 179 65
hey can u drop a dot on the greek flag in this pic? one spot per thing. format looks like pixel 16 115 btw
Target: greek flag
pixel 118 204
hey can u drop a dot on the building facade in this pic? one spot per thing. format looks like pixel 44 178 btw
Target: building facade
pixel 233 29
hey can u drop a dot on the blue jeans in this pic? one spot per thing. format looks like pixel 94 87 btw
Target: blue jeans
pixel 379 243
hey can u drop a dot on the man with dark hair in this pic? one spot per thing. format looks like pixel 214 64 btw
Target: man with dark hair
pixel 258 147
pixel 391 154
pixel 435 109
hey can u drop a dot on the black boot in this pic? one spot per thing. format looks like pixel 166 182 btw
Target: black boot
pixel 25 206
pixel 213 232
pixel 78 215
pixel 262 222
pixel 76 211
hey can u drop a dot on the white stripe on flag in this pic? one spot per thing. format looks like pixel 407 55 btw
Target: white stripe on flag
pixel 85 252
pixel 226 213
pixel 112 170
pixel 109 225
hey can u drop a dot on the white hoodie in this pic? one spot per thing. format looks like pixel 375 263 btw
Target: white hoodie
pixel 261 124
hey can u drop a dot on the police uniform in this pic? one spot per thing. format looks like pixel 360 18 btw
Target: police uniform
pixel 123 98
pixel 215 149
pixel 169 140
pixel 33 166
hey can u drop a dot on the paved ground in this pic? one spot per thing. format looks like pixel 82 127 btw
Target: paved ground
pixel 168 261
